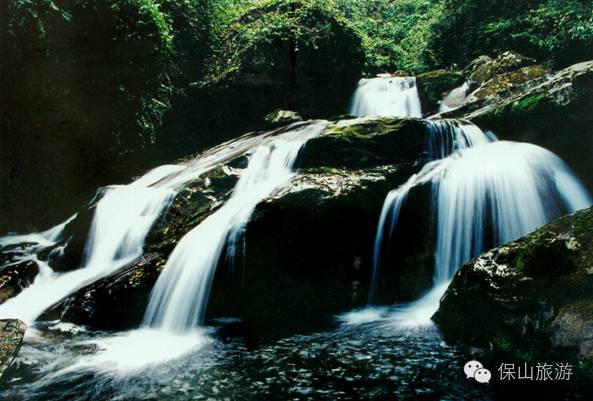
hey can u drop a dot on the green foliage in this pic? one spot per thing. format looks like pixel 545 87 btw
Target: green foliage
pixel 259 39
pixel 113 58
pixel 560 30
pixel 395 33
pixel 419 35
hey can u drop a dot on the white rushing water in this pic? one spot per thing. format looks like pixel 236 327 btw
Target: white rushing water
pixel 443 137
pixel 179 297
pixel 173 320
pixel 500 191
pixel 454 99
pixel 386 96
pixel 122 220
pixel 513 188
pixel 40 240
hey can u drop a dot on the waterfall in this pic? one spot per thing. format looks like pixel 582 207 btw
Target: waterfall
pixel 122 220
pixel 454 99
pixel 484 197
pixel 178 300
pixel 443 137
pixel 386 96
pixel 513 188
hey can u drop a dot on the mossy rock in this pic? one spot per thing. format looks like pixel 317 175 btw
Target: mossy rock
pixel 530 299
pixel 434 85
pixel 504 85
pixel 484 68
pixel 367 142
pixel 553 111
pixel 12 332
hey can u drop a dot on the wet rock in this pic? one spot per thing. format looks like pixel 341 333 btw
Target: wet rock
pixel 504 85
pixel 484 68
pixel 15 276
pixel 552 110
pixel 119 301
pixel 282 117
pixel 366 142
pixel 300 271
pixel 528 300
pixel 11 337
pixel 434 85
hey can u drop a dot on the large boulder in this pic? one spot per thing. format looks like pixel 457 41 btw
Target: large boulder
pixel 502 86
pixel 11 337
pixel 528 300
pixel 289 55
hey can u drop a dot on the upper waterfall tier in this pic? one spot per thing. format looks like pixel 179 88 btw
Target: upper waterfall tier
pixel 386 96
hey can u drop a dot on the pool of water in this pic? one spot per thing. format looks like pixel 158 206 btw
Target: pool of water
pixel 372 360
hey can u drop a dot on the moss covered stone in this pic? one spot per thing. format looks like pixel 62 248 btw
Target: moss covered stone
pixel 529 299
pixel 12 332
pixel 434 85
pixel 552 110
pixel 366 143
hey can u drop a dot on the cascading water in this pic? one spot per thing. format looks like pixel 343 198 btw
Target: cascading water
pixel 506 187
pixel 386 96
pixel 443 137
pixel 454 99
pixel 178 300
pixel 43 239
pixel 512 187
pixel 122 219
pixel 179 297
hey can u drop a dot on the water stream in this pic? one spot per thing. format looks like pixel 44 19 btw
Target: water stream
pixel 386 96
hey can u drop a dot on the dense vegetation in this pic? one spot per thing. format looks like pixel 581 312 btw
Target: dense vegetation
pixel 94 90
pixel 418 35
pixel 85 85
pixel 556 30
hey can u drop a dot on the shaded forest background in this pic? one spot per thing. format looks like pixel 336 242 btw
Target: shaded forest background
pixel 94 92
